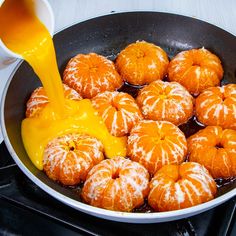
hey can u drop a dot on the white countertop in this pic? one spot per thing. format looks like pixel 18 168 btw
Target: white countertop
pixel 218 12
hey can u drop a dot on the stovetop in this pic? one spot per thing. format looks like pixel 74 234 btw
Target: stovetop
pixel 27 210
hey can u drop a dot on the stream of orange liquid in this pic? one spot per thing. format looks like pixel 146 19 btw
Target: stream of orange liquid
pixel 23 33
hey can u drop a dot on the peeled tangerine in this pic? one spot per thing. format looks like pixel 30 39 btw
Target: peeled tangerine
pixel 217 106
pixel 69 158
pixel 215 148
pixel 38 100
pixel 90 74
pixel 176 187
pixel 116 184
pixel 118 110
pixel 155 144
pixel 168 101
pixel 196 70
pixel 141 63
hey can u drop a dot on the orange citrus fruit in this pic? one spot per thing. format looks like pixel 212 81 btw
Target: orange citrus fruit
pixel 215 148
pixel 118 110
pixel 217 106
pixel 38 100
pixel 141 63
pixel 156 143
pixel 69 158
pixel 196 70
pixel 116 184
pixel 168 101
pixel 90 74
pixel 176 187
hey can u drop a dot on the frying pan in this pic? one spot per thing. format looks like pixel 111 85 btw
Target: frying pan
pixel 107 35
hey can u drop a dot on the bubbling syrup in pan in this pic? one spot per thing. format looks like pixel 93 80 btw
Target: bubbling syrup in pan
pixel 223 182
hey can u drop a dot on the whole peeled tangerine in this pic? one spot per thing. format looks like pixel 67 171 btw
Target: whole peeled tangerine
pixel 141 63
pixel 215 148
pixel 176 187
pixel 38 100
pixel 116 184
pixel 196 70
pixel 90 74
pixel 118 110
pixel 167 101
pixel 217 106
pixel 155 144
pixel 69 158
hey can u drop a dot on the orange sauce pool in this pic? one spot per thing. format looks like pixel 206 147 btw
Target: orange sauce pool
pixel 23 33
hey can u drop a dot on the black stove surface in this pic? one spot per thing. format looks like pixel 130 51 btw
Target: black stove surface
pixel 27 210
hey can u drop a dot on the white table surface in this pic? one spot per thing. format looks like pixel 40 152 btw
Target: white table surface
pixel 218 12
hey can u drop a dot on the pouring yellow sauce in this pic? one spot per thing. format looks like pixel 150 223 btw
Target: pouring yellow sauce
pixel 23 33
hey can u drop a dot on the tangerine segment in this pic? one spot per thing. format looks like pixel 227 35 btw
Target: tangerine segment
pixel 196 70
pixel 38 100
pixel 166 101
pixel 116 184
pixel 90 74
pixel 215 148
pixel 176 187
pixel 118 110
pixel 141 63
pixel 156 143
pixel 217 106
pixel 69 158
